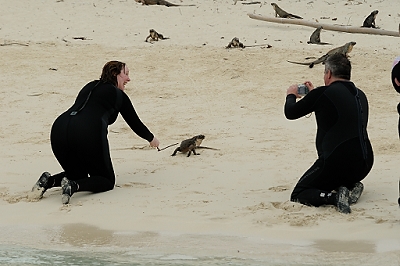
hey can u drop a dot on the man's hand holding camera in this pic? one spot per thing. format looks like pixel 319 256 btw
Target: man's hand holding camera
pixel 300 89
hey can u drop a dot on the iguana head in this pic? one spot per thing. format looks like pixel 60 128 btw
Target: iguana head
pixel 375 12
pixel 235 41
pixel 350 46
pixel 199 139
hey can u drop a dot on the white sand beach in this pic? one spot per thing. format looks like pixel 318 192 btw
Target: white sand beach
pixel 232 202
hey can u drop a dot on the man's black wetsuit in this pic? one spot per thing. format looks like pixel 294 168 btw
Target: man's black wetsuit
pixel 79 136
pixel 345 154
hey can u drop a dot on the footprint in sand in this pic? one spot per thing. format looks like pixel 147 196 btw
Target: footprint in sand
pixel 279 188
pixel 289 206
pixel 136 184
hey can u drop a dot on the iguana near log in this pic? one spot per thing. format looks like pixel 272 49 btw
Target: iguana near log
pixel 369 22
pixel 315 37
pixel 282 13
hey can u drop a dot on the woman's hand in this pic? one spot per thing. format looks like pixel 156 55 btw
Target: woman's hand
pixel 154 142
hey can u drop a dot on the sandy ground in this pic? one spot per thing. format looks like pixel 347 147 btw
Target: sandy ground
pixel 236 198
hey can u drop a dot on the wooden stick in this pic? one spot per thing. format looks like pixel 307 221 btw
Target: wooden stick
pixel 251 3
pixel 350 29
pixel 167 146
pixel 12 43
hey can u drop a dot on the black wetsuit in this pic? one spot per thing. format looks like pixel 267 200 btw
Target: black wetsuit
pixel 396 74
pixel 345 154
pixel 79 136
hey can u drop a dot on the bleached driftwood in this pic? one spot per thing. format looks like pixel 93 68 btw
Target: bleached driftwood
pixel 350 29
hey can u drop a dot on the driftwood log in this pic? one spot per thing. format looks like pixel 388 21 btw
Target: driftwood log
pixel 350 29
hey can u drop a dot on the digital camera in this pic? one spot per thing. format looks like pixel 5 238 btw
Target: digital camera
pixel 302 89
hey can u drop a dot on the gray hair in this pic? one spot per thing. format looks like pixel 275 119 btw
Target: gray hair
pixel 339 65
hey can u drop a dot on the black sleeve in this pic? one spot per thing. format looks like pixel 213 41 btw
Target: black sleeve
pixel 132 119
pixel 295 110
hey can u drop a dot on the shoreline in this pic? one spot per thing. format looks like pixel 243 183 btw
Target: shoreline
pixel 78 235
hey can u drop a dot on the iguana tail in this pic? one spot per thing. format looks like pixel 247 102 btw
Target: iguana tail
pixel 294 16
pixel 324 43
pixel 310 65
pixel 300 63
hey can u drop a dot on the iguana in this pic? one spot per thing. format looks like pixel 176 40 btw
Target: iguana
pixel 282 13
pixel 369 22
pixel 158 2
pixel 344 49
pixel 154 36
pixel 315 37
pixel 189 145
pixel 235 43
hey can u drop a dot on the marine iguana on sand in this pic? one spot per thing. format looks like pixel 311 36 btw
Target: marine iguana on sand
pixel 235 43
pixel 189 145
pixel 344 49
pixel 154 36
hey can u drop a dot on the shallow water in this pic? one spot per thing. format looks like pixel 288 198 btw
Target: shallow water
pixel 29 256
pixel 80 244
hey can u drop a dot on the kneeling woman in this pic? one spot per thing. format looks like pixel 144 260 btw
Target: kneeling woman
pixel 79 135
